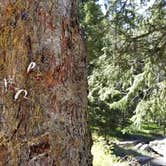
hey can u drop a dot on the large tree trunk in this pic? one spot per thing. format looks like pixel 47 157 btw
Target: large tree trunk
pixel 43 88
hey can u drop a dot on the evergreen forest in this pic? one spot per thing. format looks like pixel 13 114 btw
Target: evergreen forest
pixel 126 47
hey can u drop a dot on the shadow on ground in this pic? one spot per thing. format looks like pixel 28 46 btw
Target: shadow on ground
pixel 121 152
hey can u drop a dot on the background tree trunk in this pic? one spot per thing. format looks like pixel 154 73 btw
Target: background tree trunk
pixel 42 54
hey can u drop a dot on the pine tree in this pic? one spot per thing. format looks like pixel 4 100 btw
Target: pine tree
pixel 43 90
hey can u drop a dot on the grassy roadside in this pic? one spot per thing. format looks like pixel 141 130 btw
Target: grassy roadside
pixel 106 151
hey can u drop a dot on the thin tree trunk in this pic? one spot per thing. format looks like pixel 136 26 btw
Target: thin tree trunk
pixel 43 88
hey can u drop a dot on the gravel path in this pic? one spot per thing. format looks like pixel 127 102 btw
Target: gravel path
pixel 152 157
pixel 160 161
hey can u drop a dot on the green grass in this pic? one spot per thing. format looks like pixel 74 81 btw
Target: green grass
pixel 107 152
pixel 102 153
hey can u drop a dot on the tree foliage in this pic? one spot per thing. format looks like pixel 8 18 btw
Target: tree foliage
pixel 128 82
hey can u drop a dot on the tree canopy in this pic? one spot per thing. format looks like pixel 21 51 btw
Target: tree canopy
pixel 127 78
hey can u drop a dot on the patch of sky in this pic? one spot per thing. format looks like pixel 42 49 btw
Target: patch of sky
pixel 141 7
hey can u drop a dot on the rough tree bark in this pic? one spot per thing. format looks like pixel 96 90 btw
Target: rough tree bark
pixel 43 88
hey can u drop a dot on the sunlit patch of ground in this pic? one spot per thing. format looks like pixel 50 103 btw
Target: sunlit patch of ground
pixel 102 155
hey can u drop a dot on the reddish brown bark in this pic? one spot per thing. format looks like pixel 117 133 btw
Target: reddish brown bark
pixel 42 54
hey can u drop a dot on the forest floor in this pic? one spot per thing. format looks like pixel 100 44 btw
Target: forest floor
pixel 141 151
pixel 130 150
